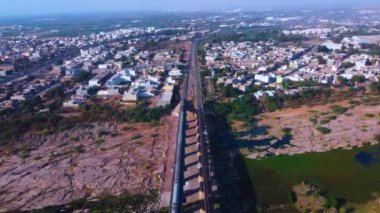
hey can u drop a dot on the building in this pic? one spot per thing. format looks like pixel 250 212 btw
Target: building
pixel 175 73
pixel 167 96
pixel 119 79
pixel 332 46
pixel 99 79
pixel 73 71
pixel 82 91
pixel 264 78
pixel 72 103
pixel 109 92
pixel 4 73
pixel 130 97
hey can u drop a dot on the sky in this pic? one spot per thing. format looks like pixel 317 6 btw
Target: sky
pixel 41 7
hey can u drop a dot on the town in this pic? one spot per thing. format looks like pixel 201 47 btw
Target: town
pixel 232 110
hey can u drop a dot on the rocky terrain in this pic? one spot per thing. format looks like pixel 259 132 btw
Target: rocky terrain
pixel 354 128
pixel 88 161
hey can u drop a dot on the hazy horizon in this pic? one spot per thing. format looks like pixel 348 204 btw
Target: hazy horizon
pixel 45 7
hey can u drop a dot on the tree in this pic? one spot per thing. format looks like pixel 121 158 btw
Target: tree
pixel 368 62
pixel 82 76
pixel 323 49
pixel 358 79
pixel 347 65
pixel 222 109
pixel 375 88
pixel 272 103
pixel 321 60
pixel 228 91
pixel 342 81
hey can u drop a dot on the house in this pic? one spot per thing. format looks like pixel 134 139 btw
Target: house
pixel 4 73
pixel 82 91
pixel 170 80
pixel 72 103
pixel 264 78
pixel 261 93
pixel 332 46
pixel 7 67
pixel 20 97
pixel 109 92
pixel 130 97
pixel 73 71
pixel 291 91
pixel 118 79
pixel 167 96
pixel 175 73
pixel 99 79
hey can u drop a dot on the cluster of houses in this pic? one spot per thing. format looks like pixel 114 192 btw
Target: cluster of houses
pixel 111 62
pixel 152 77
pixel 12 94
pixel 259 56
pixel 268 64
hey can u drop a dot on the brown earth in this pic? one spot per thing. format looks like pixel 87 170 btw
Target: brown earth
pixel 101 158
pixel 356 127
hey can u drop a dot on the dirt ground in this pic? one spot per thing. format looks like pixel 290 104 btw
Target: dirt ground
pixel 88 161
pixel 354 128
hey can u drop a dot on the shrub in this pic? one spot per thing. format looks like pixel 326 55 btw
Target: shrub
pixel 332 117
pixel 331 203
pixel 286 130
pixel 377 137
pixel 99 142
pixel 338 109
pixel 369 115
pixel 375 88
pixel 313 120
pixel 324 130
pixel 102 133
pixel 136 137
pixel 79 149
pixel 75 139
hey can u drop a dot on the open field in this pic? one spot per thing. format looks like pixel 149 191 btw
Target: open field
pixel 86 162
pixel 309 129
pixel 333 146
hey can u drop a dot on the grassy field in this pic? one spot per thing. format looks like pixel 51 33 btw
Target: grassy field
pixel 337 173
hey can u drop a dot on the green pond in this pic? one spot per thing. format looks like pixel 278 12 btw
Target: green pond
pixel 349 174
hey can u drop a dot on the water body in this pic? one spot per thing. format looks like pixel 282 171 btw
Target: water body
pixel 367 159
pixel 350 174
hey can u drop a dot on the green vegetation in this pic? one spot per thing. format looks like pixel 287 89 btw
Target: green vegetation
pixel 324 130
pixel 323 49
pixel 358 79
pixel 336 172
pixel 135 137
pixel 328 119
pixel 375 88
pixel 346 65
pixel 124 203
pixel 242 108
pixel 338 109
pixel 255 36
pixel 79 149
pixel 102 133
pixel 272 104
pixel 228 91
pixel 46 123
pixel 287 130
